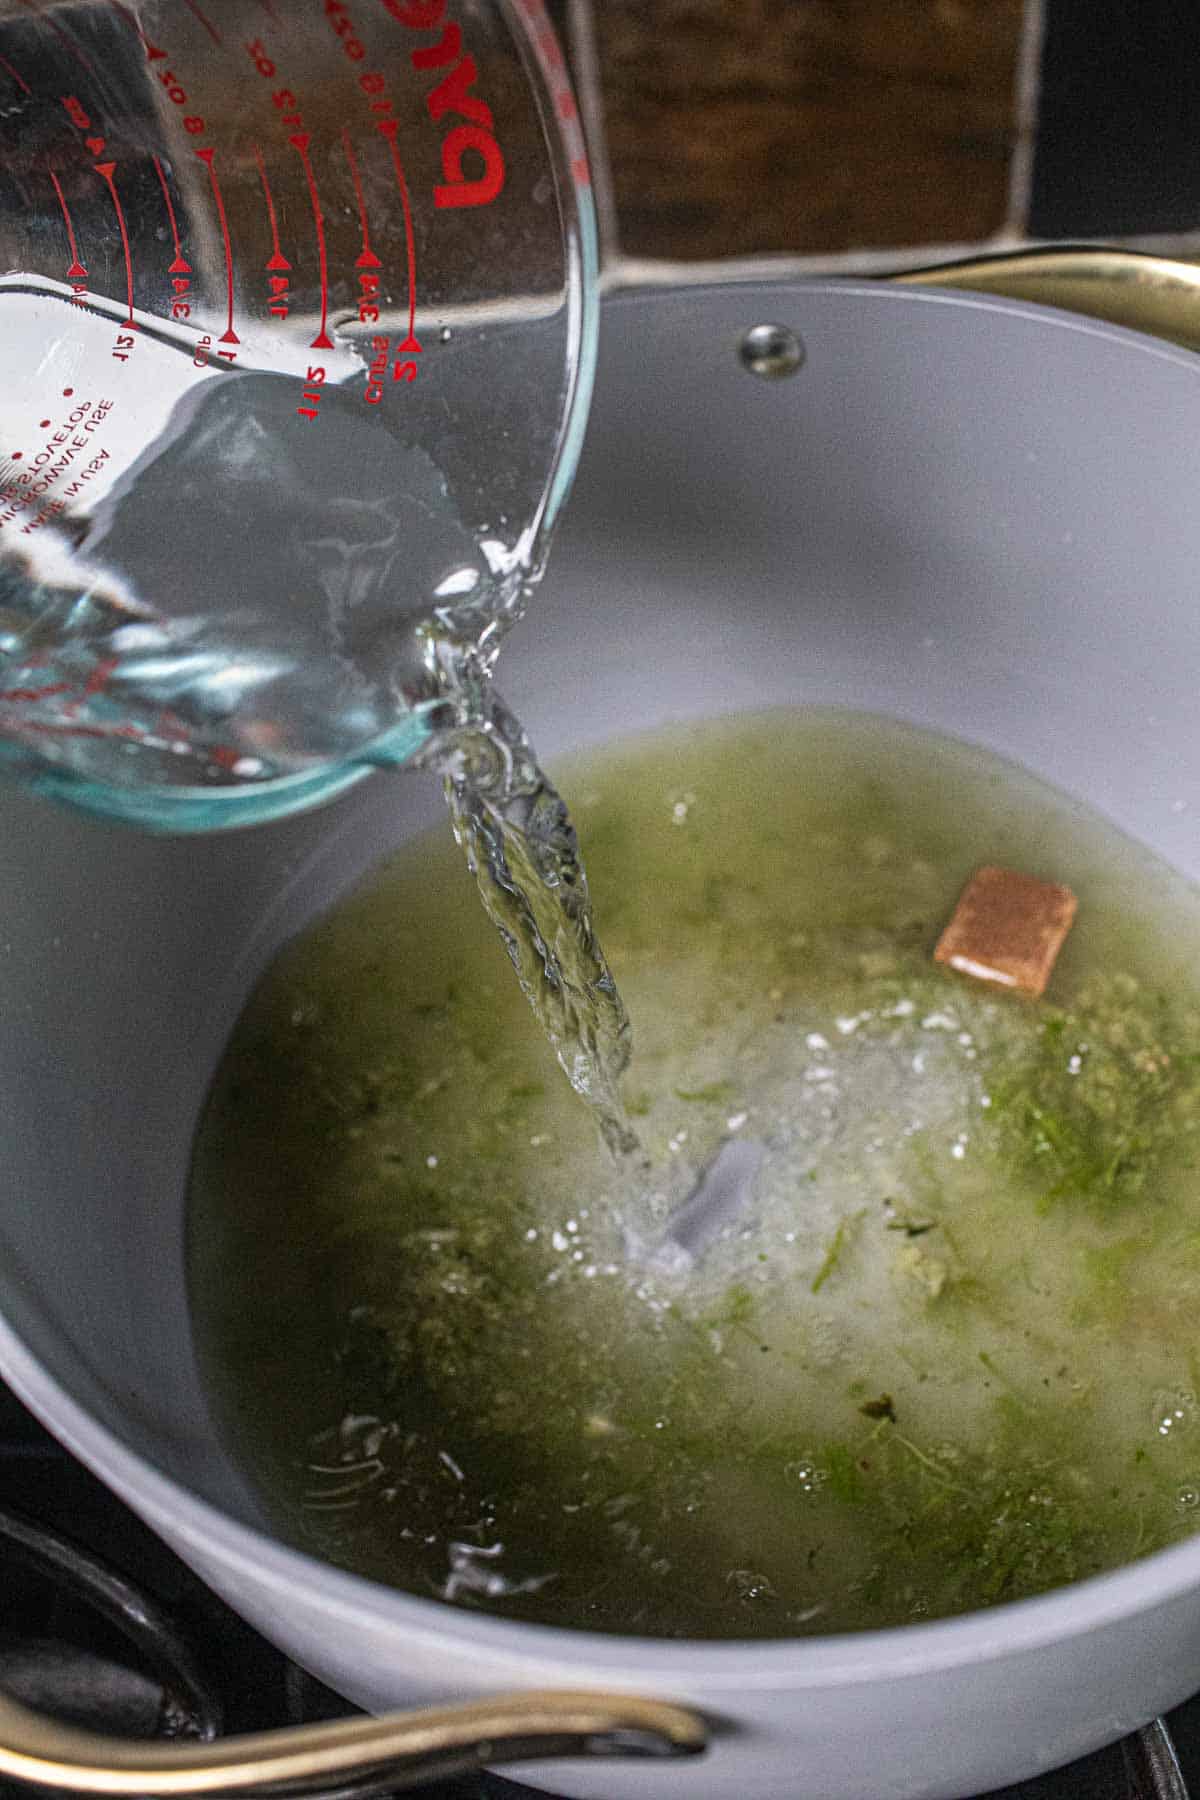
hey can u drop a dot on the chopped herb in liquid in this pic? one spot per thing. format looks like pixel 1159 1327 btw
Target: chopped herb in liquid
pixel 945 1359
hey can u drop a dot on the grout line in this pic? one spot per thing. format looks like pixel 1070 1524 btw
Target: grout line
pixel 1026 98
pixel 634 271
pixel 585 68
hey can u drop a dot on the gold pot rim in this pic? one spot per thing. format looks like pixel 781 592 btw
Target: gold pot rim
pixel 1157 295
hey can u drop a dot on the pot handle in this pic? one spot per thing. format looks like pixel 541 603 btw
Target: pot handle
pixel 401 1749
pixel 1153 294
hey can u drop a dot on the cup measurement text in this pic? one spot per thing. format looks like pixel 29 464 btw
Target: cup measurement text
pixel 312 393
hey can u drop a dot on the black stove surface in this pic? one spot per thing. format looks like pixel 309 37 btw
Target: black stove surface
pixel 59 1653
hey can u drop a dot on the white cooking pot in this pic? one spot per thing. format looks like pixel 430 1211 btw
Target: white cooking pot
pixel 974 514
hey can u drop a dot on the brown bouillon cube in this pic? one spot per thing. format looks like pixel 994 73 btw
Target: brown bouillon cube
pixel 1008 928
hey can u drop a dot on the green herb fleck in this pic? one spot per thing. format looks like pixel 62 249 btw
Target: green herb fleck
pixel 1089 1112
pixel 844 1476
pixel 837 1246
pixel 715 1094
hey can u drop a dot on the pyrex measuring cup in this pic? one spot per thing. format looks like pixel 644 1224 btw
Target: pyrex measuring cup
pixel 296 340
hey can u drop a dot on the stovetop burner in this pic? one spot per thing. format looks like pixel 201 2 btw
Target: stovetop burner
pixel 103 1627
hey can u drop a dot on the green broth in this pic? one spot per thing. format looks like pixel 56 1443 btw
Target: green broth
pixel 945 1358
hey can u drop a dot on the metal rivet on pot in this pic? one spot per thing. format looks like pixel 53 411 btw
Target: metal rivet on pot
pixel 771 351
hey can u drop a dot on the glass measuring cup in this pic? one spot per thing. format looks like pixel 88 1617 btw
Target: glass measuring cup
pixel 297 327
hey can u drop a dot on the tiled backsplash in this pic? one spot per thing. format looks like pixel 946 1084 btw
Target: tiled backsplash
pixel 805 124
pixel 886 131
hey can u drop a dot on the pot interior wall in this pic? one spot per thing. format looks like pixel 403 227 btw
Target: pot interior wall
pixel 961 512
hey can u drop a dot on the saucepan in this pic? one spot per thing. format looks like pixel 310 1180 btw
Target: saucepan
pixel 970 512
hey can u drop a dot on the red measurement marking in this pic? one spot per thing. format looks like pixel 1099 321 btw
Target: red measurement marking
pixel 229 335
pixel 9 70
pixel 96 683
pixel 44 18
pixel 179 266
pixel 52 728
pixel 368 259
pixel 278 261
pixel 552 55
pixel 106 172
pixel 300 142
pixel 388 128
pixel 169 724
pixel 29 694
pixel 207 23
pixel 134 25
pixel 549 53
pixel 100 676
pixel 76 272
